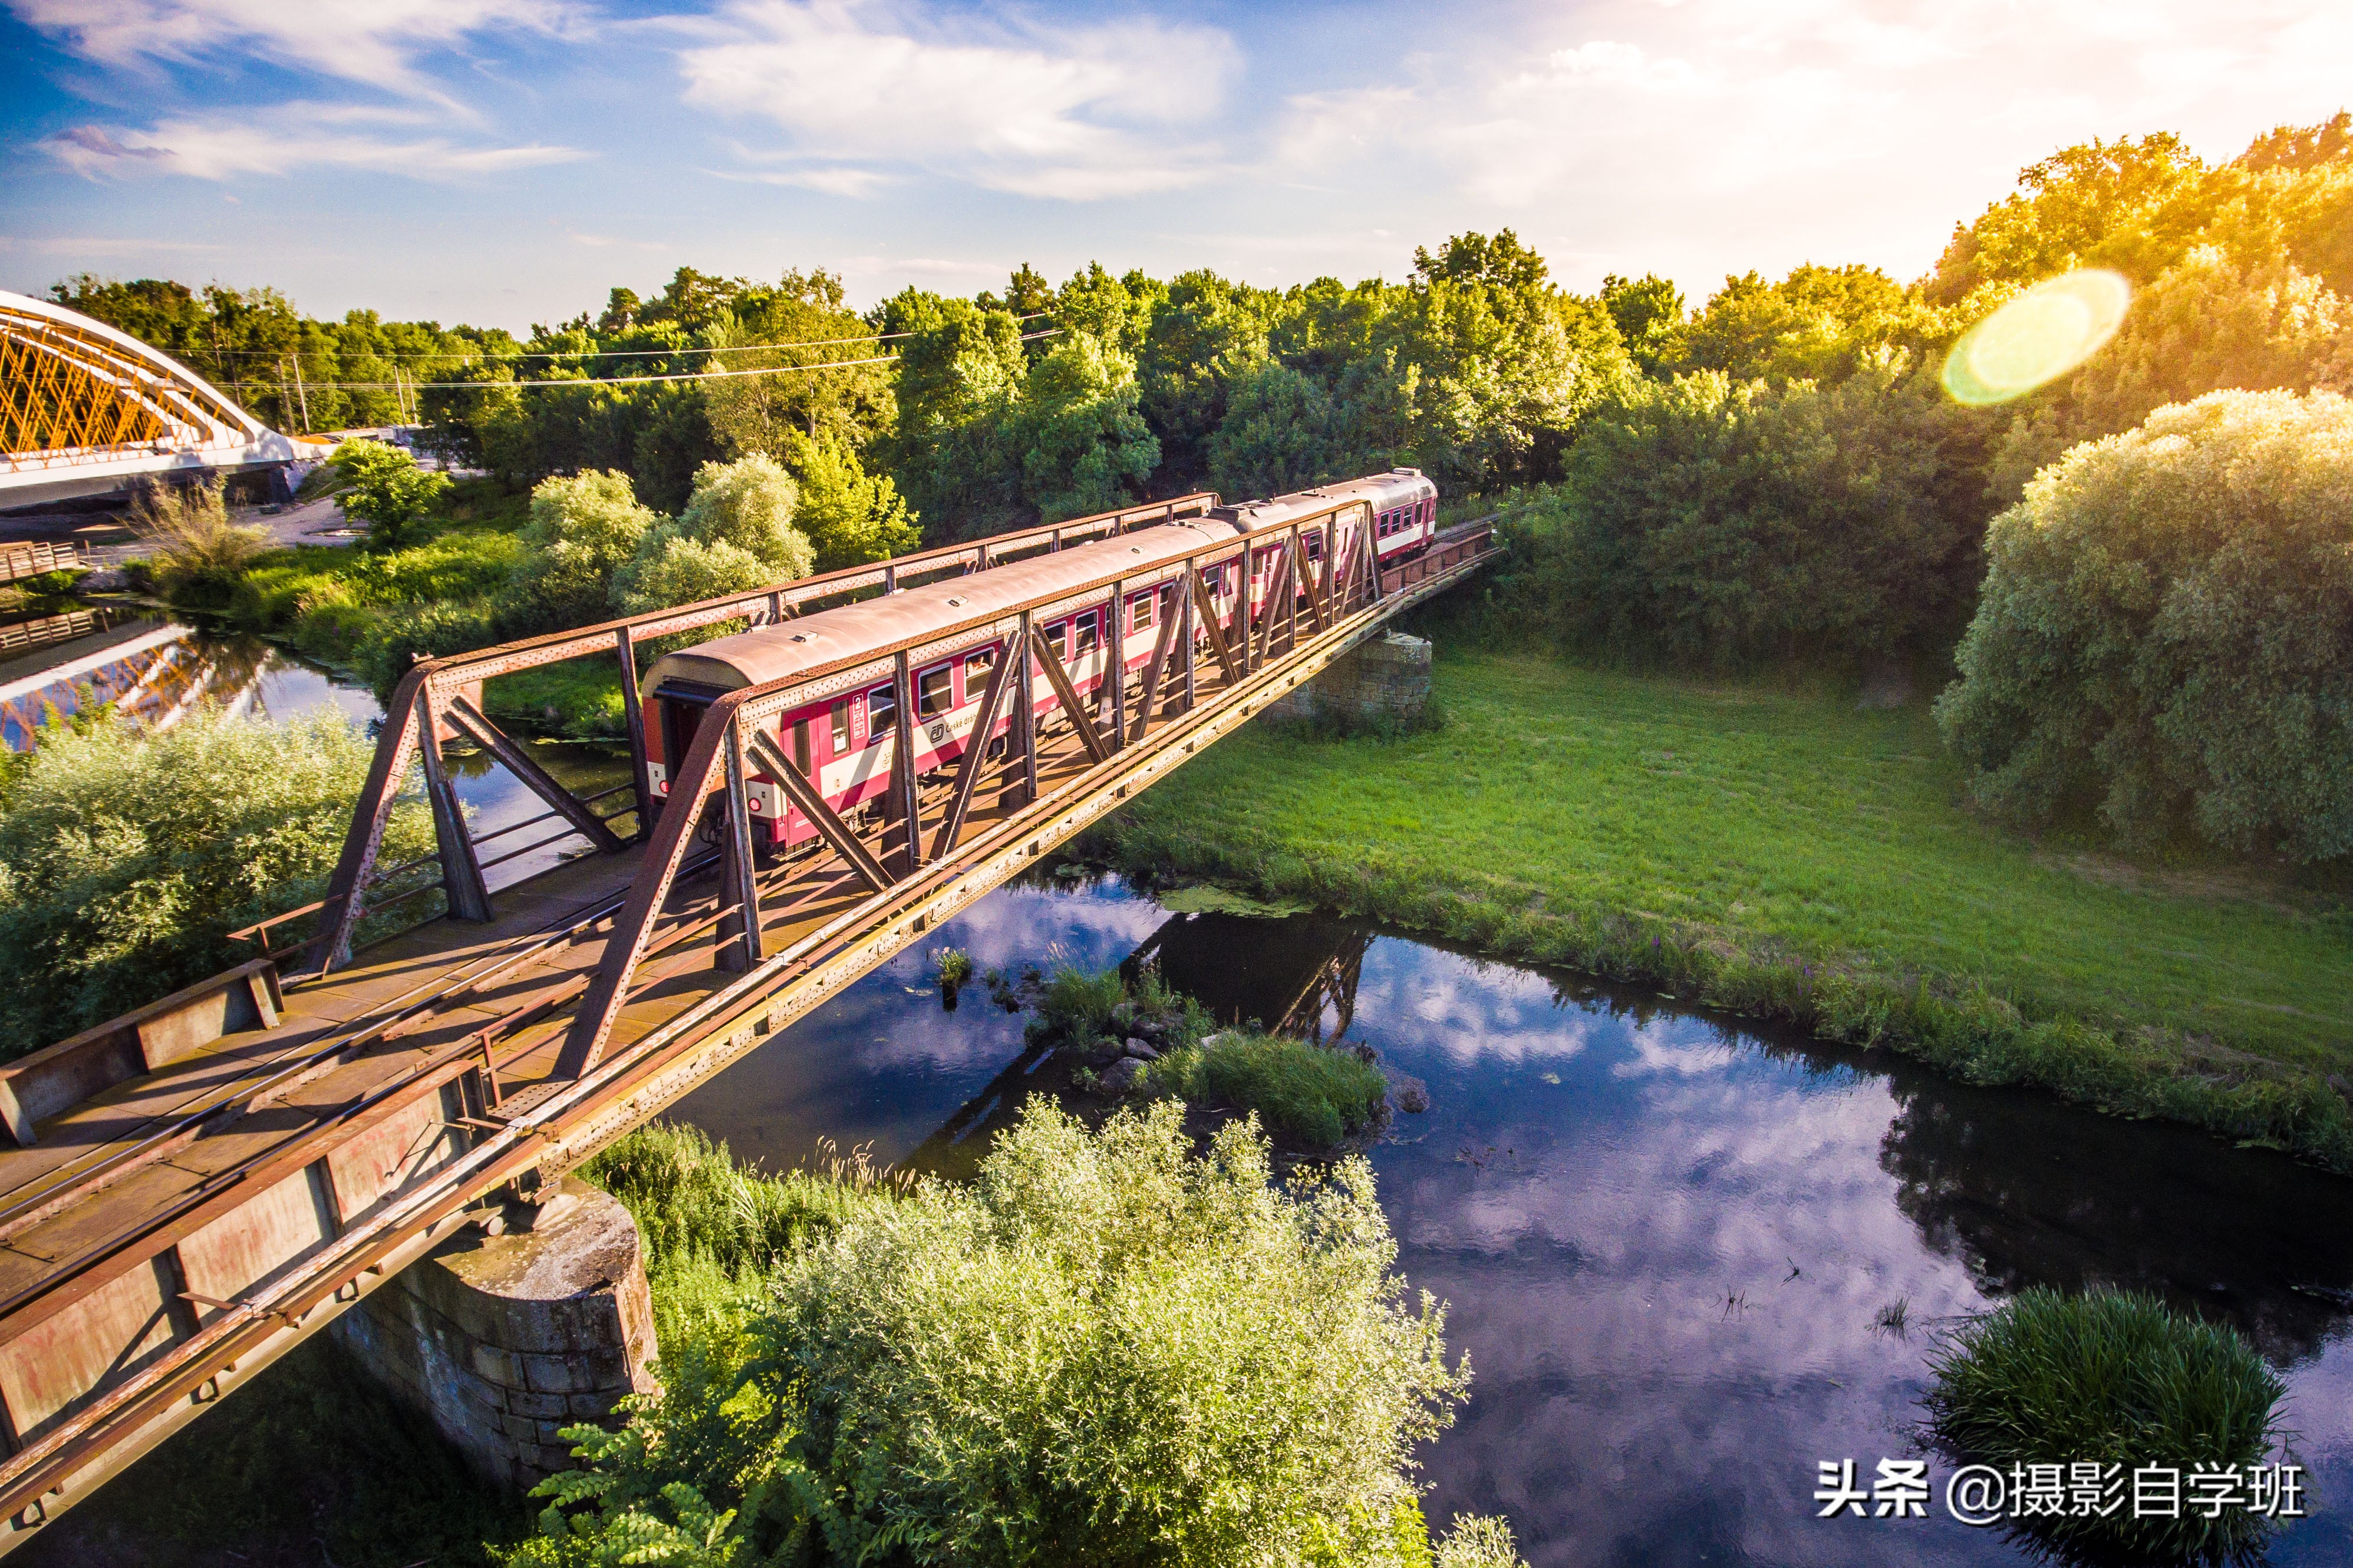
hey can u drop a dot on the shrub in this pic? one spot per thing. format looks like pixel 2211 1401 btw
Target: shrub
pixel 736 533
pixel 2110 1378
pixel 583 530
pixel 2166 633
pixel 383 487
pixel 1710 522
pixel 1312 1097
pixel 1107 1349
pixel 199 553
pixel 125 858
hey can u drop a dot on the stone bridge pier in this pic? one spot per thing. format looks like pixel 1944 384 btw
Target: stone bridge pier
pixel 505 1339
pixel 1383 680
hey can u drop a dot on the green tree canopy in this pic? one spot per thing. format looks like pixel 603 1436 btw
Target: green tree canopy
pixel 2166 633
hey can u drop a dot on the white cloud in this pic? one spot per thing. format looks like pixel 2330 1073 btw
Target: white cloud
pixel 1715 133
pixel 1077 114
pixel 283 143
pixel 835 181
pixel 372 41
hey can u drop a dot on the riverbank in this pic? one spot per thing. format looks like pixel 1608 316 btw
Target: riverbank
pixel 1789 857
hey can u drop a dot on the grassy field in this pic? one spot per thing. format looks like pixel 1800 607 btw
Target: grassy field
pixel 1789 855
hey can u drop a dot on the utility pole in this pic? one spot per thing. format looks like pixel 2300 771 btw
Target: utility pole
pixel 300 392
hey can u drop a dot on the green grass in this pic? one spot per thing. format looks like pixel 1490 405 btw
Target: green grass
pixel 580 698
pixel 1311 1097
pixel 714 1229
pixel 2113 1379
pixel 1786 854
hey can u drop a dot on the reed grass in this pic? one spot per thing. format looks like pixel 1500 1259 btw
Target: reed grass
pixel 1310 1097
pixel 2115 1378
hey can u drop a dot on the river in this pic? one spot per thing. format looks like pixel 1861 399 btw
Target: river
pixel 1671 1243
pixel 1667 1241
pixel 66 656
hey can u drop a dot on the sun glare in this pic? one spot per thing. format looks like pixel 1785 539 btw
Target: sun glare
pixel 2038 337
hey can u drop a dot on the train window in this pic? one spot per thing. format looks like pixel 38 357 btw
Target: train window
pixel 976 666
pixel 882 714
pixel 934 692
pixel 841 727
pixel 1142 617
pixel 1058 640
pixel 1088 633
pixel 801 746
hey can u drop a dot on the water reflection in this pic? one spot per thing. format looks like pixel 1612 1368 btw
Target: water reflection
pixel 1667 1242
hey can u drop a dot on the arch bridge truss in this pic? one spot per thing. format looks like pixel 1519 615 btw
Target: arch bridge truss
pixel 86 409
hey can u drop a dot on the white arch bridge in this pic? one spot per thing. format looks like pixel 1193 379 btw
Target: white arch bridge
pixel 86 410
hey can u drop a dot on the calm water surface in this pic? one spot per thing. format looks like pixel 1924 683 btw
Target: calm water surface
pixel 1666 1239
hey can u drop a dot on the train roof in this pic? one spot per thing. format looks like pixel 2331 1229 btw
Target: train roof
pixel 1382 490
pixel 779 652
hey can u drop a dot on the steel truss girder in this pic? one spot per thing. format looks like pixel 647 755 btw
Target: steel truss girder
pixel 577 1116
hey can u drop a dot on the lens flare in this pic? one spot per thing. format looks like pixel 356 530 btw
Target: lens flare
pixel 2037 338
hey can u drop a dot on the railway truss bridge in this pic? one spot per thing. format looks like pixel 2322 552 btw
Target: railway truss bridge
pixel 197 1187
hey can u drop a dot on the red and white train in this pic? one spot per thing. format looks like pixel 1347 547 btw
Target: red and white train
pixel 844 742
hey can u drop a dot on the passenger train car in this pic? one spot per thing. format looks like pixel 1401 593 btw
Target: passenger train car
pixel 844 742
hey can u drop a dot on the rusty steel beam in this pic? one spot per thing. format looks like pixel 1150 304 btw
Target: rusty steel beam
pixel 603 1084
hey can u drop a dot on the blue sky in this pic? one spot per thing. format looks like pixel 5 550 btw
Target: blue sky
pixel 505 161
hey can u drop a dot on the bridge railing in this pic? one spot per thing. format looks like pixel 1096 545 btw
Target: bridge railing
pixel 442 699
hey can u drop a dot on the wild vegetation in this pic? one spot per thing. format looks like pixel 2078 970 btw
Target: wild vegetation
pixel 1107 1349
pixel 1310 1097
pixel 2111 1378
pixel 126 858
pixel 1313 1099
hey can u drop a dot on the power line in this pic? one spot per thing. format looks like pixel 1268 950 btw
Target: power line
pixel 584 381
pixel 471 354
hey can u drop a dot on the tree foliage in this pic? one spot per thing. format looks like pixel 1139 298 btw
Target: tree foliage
pixel 583 530
pixel 1107 1348
pixel 126 858
pixel 1707 523
pixel 383 487
pixel 2208 323
pixel 736 533
pixel 2166 633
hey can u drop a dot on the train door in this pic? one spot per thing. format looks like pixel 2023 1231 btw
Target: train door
pixel 680 705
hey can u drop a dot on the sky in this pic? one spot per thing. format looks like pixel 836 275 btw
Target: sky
pixel 507 162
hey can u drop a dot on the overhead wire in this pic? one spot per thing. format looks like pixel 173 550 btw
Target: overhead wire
pixel 472 354
pixel 625 380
